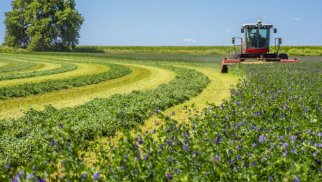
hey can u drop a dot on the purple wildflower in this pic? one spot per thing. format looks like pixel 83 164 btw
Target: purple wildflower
pixel 217 140
pixel 231 162
pixel 257 114
pixel 169 176
pixel 320 134
pixel 239 157
pixel 292 138
pixel 138 158
pixel 84 175
pixel 320 145
pixel 285 145
pixel 41 180
pixel 53 143
pixel 238 103
pixel 169 142
pixel 254 145
pixel 31 176
pixel 194 154
pixel 154 131
pixel 140 141
pixel 217 158
pixel 315 154
pixel 262 139
pixel 7 166
pixel 284 154
pixel 185 147
pixel 146 157
pixel 253 164
pixel 255 127
pixel 16 178
pixel 239 147
pixel 271 178
pixel 296 179
pixel 96 176
pixel 239 124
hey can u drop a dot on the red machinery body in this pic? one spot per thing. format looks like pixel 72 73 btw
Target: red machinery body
pixel 255 45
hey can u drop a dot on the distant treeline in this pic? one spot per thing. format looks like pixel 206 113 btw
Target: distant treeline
pixel 194 50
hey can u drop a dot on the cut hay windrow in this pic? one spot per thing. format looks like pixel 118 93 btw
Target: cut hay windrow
pixel 62 69
pixel 16 66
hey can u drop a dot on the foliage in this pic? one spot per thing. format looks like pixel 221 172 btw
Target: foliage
pixel 43 25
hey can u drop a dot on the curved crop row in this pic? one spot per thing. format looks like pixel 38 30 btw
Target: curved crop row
pixel 53 85
pixel 16 66
pixel 82 70
pixel 62 69
pixel 39 132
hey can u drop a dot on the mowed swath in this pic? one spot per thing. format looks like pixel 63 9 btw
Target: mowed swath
pixel 16 66
pixel 83 69
pixel 142 77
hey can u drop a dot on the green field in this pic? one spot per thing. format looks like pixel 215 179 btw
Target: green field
pixel 158 114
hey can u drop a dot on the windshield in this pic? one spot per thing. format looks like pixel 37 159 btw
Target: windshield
pixel 257 38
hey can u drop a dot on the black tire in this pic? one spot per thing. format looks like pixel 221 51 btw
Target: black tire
pixel 283 56
pixel 233 55
pixel 224 69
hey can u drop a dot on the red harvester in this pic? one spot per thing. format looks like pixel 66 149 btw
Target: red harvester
pixel 255 46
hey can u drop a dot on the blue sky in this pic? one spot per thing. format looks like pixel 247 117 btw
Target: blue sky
pixel 191 22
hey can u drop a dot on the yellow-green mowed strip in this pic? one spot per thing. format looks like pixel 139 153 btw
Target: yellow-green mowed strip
pixel 142 77
pixel 217 90
pixel 3 64
pixel 42 65
pixel 83 69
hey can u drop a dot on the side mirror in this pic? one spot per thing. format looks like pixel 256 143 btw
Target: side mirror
pixel 280 41
pixel 233 41
pixel 275 30
pixel 242 30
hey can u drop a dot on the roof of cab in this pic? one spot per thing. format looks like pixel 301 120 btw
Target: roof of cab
pixel 254 25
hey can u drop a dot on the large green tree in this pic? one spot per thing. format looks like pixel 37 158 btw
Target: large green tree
pixel 43 24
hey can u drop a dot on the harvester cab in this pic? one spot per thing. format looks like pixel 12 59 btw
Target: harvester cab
pixel 255 45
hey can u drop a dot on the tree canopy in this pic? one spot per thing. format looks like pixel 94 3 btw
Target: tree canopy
pixel 43 25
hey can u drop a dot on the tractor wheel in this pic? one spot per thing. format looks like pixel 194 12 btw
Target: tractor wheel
pixel 283 56
pixel 224 69
pixel 233 55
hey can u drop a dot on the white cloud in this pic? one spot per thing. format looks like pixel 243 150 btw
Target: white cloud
pixel 189 40
pixel 296 19
pixel 227 31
